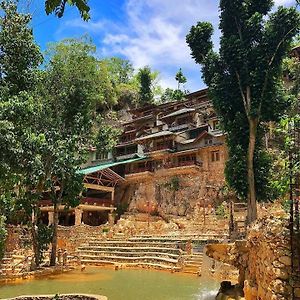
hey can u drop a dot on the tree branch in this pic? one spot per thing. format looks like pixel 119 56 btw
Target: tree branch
pixel 242 93
pixel 269 66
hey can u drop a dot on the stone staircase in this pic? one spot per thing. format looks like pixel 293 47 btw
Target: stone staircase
pixel 14 264
pixel 193 263
pixel 240 213
pixel 163 255
pixel 161 251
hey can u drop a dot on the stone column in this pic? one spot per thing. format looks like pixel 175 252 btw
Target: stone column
pixel 78 216
pixel 111 218
pixel 50 217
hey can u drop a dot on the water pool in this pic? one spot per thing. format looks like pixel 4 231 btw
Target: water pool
pixel 125 284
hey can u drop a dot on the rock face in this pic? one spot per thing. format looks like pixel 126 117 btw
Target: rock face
pixel 264 260
pixel 175 194
pixel 268 272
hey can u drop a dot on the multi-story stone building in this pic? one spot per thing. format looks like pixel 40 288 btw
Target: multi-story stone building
pixel 170 159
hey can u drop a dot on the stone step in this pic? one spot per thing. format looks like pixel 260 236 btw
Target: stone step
pixel 194 261
pixel 127 254
pixel 128 249
pixel 141 264
pixel 128 259
pixel 130 243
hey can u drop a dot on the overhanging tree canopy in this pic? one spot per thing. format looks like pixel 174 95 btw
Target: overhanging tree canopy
pixel 244 82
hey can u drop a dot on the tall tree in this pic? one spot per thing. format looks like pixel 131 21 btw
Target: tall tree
pixel 145 83
pixel 244 80
pixel 19 76
pixel 19 55
pixel 180 78
pixel 73 87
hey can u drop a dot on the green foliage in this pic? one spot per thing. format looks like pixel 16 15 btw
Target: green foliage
pixel 286 205
pixel 244 81
pixel 173 184
pixel 56 297
pixel 44 239
pixel 106 136
pixel 180 78
pixel 58 7
pixel 2 236
pixel 145 84
pixel 17 68
pixel 121 208
pixel 221 211
pixel 172 95
pixel 199 40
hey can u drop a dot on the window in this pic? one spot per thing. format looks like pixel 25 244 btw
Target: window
pixel 208 141
pixel 215 156
pixel 215 125
pixel 102 155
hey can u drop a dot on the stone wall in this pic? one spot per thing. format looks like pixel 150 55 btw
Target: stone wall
pixel 263 260
pixel 268 273
pixel 18 238
pixel 69 238
pixel 176 194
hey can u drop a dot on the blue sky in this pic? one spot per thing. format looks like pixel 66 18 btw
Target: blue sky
pixel 147 32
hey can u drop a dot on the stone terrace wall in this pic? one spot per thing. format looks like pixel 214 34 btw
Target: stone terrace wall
pixel 268 274
pixel 264 260
pixel 69 238
pixel 159 193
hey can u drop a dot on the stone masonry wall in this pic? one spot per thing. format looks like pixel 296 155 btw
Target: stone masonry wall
pixel 69 238
pixel 179 192
pixel 263 260
pixel 268 271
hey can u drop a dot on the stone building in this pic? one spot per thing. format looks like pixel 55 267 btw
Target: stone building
pixel 169 160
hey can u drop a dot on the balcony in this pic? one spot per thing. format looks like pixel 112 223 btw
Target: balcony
pixel 168 147
pixel 179 127
pixel 182 167
pixel 140 173
pixel 46 203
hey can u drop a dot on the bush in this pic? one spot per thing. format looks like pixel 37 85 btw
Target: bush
pixel 2 236
pixel 221 211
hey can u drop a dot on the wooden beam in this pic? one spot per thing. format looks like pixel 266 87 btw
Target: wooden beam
pixel 98 187
pixel 86 207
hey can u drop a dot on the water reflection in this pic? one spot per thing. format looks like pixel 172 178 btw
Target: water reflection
pixel 119 285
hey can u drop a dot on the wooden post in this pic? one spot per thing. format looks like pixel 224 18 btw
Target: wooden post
pixel 50 217
pixel 113 196
pixel 78 216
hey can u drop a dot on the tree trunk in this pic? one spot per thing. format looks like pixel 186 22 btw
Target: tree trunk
pixel 34 236
pixel 252 209
pixel 54 237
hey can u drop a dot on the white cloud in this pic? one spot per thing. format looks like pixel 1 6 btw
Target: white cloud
pixel 284 2
pixel 152 32
pixel 155 35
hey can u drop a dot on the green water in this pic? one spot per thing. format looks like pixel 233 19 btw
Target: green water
pixel 119 285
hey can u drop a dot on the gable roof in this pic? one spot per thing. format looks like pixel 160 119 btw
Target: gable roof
pixel 106 165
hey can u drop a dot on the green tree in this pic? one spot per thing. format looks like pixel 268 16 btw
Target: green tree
pixel 20 56
pixel 170 95
pixel 107 134
pixel 121 70
pixel 58 7
pixel 19 76
pixel 244 81
pixel 145 86
pixel 180 78
pixel 73 87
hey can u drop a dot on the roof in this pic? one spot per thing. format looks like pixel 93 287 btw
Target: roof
pixel 179 112
pixel 147 117
pixel 106 165
pixel 154 135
